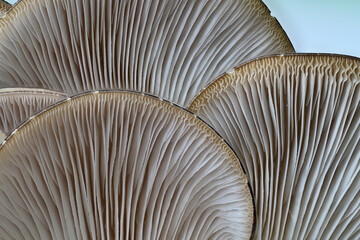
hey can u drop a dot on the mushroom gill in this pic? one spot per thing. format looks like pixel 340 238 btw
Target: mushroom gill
pixel 18 104
pixel 168 48
pixel 294 122
pixel 121 165
pixel 4 7
pixel 2 136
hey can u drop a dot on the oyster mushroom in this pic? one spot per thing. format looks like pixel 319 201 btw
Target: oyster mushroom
pixel 294 122
pixel 121 165
pixel 168 48
pixel 18 104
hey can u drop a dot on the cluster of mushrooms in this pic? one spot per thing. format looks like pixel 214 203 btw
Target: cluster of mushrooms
pixel 172 119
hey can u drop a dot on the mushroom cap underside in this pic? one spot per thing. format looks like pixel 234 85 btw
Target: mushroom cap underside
pixel 170 49
pixel 294 122
pixel 121 165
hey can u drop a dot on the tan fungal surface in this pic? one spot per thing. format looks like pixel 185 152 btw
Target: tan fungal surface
pixel 18 104
pixel 294 122
pixel 2 136
pixel 4 7
pixel 168 48
pixel 116 165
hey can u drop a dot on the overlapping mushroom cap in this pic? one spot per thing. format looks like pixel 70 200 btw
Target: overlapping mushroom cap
pixel 168 48
pixel 120 165
pixel 294 122
pixel 18 104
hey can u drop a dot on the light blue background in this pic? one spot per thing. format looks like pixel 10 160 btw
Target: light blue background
pixel 320 26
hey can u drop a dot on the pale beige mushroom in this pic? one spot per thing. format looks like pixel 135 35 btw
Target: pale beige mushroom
pixel 18 104
pixel 121 165
pixel 294 122
pixel 169 48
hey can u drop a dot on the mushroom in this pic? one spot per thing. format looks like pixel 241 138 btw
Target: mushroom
pixel 168 48
pixel 121 165
pixel 294 122
pixel 18 104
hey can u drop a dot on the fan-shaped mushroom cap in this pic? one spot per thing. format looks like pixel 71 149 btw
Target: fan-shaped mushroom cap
pixel 18 104
pixel 294 122
pixel 168 48
pixel 112 165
